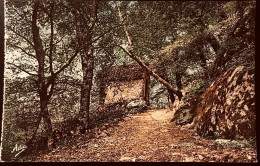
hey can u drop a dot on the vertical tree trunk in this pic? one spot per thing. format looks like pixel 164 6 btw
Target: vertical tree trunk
pixel 46 117
pixel 165 77
pixel 178 80
pixel 172 98
pixel 2 59
pixel 84 35
pixel 42 88
pixel 87 69
pixel 42 82
pixel 204 64
pixel 146 90
pixel 102 86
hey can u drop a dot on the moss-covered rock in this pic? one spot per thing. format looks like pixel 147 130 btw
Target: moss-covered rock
pixel 185 110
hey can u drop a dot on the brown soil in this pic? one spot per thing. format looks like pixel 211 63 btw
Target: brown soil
pixel 147 137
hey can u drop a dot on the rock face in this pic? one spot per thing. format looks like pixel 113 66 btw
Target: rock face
pixel 227 108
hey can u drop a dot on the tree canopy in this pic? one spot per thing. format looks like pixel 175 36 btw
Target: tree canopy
pixel 57 49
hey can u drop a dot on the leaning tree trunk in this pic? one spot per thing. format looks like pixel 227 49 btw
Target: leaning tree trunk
pixel 172 98
pixel 130 52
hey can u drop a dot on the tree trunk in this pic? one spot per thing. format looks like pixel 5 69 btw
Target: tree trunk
pixel 213 42
pixel 2 63
pixel 102 86
pixel 171 95
pixel 87 69
pixel 84 35
pixel 42 82
pixel 130 52
pixel 42 89
pixel 165 77
pixel 204 64
pixel 46 118
pixel 29 142
pixel 178 80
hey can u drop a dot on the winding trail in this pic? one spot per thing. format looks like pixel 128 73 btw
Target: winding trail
pixel 147 136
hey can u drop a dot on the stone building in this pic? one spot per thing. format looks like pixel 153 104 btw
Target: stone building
pixel 125 83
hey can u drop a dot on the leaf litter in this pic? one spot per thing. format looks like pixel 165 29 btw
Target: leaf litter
pixel 148 137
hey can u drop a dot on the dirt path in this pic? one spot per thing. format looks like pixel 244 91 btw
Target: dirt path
pixel 147 137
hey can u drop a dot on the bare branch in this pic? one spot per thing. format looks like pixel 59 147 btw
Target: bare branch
pixel 93 15
pixel 22 49
pixel 18 34
pixel 20 68
pixel 69 62
pixel 51 38
pixel 62 68
pixel 16 11
pixel 110 29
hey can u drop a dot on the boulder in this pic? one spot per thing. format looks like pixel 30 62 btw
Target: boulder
pixel 183 116
pixel 136 104
pixel 223 143
pixel 227 108
pixel 158 96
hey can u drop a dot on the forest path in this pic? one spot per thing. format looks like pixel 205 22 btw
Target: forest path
pixel 147 136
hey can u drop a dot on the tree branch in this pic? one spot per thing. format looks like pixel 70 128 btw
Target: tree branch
pixel 22 49
pixel 20 68
pixel 18 34
pixel 156 76
pixel 110 29
pixel 27 21
pixel 62 68
pixel 51 38
pixel 69 62
pixel 93 15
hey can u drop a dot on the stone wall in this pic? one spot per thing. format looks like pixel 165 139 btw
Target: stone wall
pixel 124 91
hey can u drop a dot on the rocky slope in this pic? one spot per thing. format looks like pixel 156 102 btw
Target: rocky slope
pixel 227 108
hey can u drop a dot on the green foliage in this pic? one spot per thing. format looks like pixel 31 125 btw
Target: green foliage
pixel 196 90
